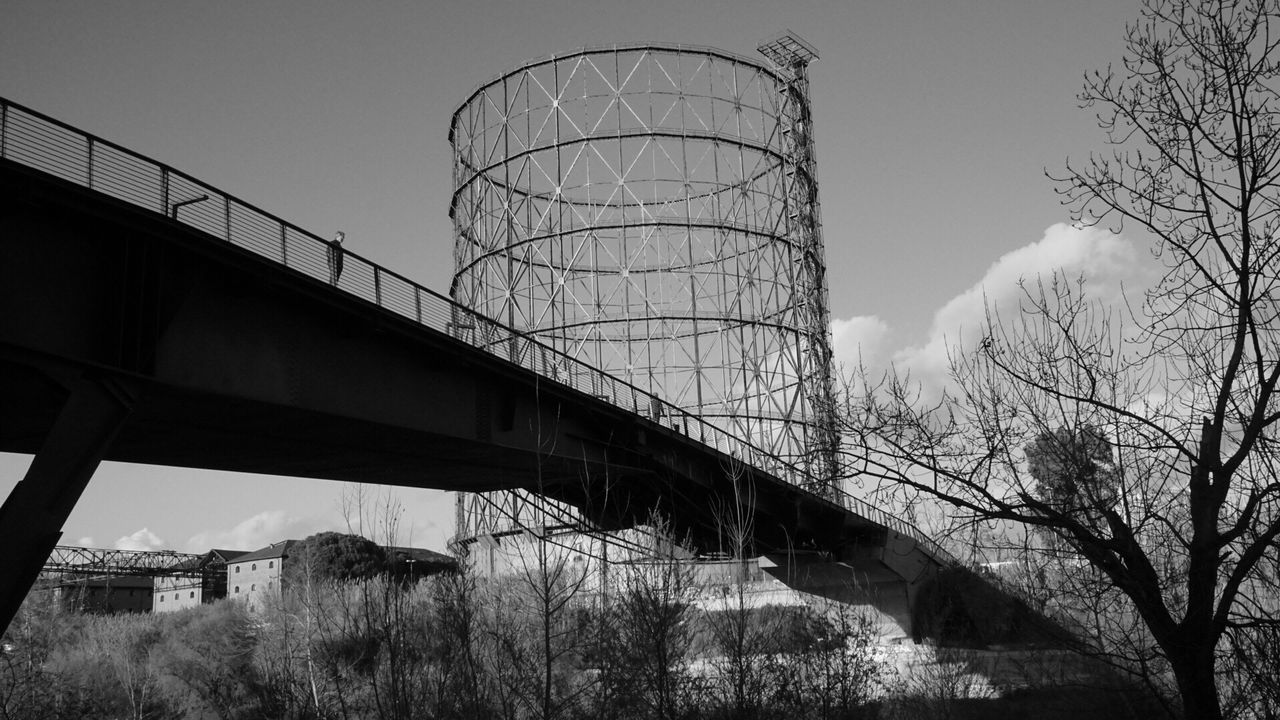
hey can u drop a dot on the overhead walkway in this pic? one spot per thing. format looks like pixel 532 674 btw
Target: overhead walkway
pixel 148 317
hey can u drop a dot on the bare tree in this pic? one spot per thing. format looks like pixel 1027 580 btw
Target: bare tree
pixel 1256 652
pixel 455 653
pixel 385 609
pixel 742 637
pixel 1182 386
pixel 41 626
pixel 126 643
pixel 534 627
pixel 937 687
pixel 652 629
pixel 205 659
pixel 830 666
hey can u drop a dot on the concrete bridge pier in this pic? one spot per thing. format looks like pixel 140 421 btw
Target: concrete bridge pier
pixel 32 517
pixel 885 578
pixel 914 596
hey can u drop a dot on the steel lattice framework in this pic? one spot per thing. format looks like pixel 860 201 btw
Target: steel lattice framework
pixel 74 560
pixel 653 211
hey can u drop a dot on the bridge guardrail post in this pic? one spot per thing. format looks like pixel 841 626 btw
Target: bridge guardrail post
pixel 164 191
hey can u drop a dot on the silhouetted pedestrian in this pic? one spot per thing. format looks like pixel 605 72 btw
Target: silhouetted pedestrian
pixel 335 257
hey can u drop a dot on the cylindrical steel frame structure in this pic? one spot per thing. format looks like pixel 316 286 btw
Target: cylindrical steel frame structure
pixel 652 210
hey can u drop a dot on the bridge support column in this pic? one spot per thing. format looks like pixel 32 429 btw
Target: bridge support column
pixel 885 597
pixel 32 517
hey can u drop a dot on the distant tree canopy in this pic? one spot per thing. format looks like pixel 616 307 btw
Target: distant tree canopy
pixel 1073 468
pixel 336 556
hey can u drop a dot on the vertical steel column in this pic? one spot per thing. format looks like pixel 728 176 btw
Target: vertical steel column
pixel 792 56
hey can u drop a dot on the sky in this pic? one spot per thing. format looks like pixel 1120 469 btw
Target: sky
pixel 935 123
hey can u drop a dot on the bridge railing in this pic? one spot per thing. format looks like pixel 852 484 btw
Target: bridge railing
pixel 51 146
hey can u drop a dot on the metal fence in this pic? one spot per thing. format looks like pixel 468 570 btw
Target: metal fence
pixel 53 147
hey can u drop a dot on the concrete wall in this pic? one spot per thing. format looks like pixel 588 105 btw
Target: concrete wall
pixel 254 582
pixel 107 595
pixel 171 594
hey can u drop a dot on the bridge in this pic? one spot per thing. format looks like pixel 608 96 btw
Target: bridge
pixel 74 560
pixel 148 317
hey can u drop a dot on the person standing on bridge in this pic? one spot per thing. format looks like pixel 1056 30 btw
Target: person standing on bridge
pixel 335 257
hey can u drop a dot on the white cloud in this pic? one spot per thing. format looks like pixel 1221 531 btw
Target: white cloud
pixel 1110 264
pixel 858 339
pixel 258 531
pixel 143 539
pixel 86 541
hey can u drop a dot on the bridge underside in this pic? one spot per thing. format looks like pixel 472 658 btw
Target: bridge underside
pixel 177 426
pixel 127 336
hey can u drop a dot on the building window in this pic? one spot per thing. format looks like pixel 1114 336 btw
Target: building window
pixel 237 589
pixel 253 586
pixel 254 567
pixel 193 594
pixel 161 598
pixel 271 564
pixel 237 569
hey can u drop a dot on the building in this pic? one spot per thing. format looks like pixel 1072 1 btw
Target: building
pixel 106 594
pixel 255 578
pixel 194 582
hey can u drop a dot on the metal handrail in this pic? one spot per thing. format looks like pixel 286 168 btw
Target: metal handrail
pixel 38 141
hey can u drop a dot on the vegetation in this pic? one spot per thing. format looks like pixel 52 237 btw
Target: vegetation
pixel 449 646
pixel 336 556
pixel 458 646
pixel 1141 437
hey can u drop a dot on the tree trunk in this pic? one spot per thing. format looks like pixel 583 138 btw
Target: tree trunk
pixel 1193 669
